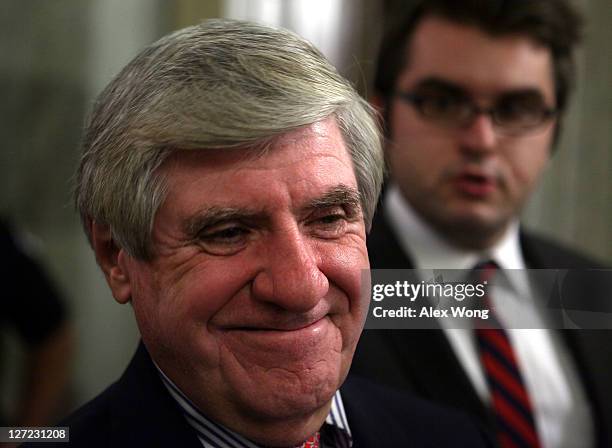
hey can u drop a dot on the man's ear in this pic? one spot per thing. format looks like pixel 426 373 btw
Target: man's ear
pixel 112 260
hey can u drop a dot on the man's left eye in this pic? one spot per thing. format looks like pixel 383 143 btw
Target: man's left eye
pixel 229 234
pixel 331 225
pixel 331 219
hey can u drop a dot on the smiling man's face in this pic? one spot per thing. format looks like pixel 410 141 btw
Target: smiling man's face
pixel 252 302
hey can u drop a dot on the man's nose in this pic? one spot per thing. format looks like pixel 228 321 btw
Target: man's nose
pixel 479 136
pixel 290 276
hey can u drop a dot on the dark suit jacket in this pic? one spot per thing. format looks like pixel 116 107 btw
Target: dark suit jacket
pixel 423 362
pixel 138 411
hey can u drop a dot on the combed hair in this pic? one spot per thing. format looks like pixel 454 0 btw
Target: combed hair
pixel 555 24
pixel 220 84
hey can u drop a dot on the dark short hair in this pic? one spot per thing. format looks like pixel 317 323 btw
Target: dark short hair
pixel 554 24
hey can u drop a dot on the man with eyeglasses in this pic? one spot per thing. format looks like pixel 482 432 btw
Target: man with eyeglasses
pixel 472 95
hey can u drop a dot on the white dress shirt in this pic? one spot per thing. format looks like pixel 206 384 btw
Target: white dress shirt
pixel 563 417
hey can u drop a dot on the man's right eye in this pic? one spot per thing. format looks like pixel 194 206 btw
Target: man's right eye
pixel 440 105
pixel 224 241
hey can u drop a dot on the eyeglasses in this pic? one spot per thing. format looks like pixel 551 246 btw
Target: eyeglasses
pixel 512 114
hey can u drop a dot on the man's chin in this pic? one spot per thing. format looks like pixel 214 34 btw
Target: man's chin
pixel 477 227
pixel 289 395
pixel 288 413
pixel 284 383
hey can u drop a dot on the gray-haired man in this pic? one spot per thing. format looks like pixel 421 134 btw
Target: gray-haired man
pixel 227 179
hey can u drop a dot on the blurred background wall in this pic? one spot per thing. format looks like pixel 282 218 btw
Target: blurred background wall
pixel 57 55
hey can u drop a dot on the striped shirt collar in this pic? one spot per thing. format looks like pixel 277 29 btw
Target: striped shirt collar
pixel 214 435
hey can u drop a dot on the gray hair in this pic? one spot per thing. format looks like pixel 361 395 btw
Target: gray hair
pixel 219 84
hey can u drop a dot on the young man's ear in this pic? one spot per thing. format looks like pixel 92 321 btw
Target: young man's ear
pixel 112 260
pixel 378 102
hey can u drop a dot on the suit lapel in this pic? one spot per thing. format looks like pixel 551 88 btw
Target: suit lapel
pixel 425 354
pixel 436 371
pixel 372 424
pixel 142 411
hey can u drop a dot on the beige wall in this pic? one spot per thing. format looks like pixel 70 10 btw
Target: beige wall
pixel 574 203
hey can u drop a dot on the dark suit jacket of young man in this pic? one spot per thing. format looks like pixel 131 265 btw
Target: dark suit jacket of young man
pixel 424 363
pixel 138 411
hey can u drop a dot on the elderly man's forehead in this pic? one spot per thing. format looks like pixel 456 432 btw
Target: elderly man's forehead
pixel 297 140
pixel 310 166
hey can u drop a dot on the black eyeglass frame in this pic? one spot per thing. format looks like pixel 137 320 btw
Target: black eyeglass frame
pixel 417 100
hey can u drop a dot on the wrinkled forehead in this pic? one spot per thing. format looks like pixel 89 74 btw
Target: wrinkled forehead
pixel 293 169
pixel 322 139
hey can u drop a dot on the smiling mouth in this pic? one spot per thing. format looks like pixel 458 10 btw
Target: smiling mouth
pixel 293 340
pixel 297 346
pixel 277 328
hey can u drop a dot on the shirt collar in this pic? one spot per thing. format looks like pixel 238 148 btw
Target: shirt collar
pixel 430 251
pixel 214 435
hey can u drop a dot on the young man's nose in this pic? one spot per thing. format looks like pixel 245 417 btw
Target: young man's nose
pixel 479 135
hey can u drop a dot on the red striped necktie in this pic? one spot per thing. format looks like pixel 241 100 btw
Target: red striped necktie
pixel 510 401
